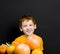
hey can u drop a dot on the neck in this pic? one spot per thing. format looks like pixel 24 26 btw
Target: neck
pixel 28 35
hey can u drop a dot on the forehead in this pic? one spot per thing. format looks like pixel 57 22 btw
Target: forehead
pixel 27 22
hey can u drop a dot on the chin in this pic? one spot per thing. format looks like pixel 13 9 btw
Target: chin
pixel 29 34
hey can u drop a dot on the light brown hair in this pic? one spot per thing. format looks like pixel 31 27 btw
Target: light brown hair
pixel 26 17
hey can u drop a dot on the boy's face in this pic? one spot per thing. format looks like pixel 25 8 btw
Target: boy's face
pixel 28 27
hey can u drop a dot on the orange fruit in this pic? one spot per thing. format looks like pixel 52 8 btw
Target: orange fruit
pixel 15 43
pixel 33 41
pixel 10 49
pixel 22 49
pixel 37 51
pixel 3 48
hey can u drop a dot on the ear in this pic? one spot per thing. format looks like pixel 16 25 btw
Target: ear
pixel 20 28
pixel 35 26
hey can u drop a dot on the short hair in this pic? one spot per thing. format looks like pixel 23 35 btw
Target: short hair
pixel 26 17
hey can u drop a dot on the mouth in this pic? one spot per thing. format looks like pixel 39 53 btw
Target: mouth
pixel 28 31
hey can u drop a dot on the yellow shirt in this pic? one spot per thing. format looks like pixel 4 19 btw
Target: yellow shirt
pixel 23 39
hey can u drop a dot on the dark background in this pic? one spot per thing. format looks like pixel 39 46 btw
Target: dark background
pixel 46 13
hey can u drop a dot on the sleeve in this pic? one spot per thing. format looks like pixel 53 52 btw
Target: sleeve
pixel 41 44
pixel 19 40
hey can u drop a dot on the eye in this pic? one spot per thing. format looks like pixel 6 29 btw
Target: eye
pixel 24 25
pixel 30 25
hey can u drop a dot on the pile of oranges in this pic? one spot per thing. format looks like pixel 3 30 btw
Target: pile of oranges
pixel 29 45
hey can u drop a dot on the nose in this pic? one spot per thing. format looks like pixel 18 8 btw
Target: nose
pixel 28 27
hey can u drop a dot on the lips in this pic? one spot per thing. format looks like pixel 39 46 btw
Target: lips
pixel 29 30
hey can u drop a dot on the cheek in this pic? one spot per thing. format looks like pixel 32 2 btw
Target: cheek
pixel 24 29
pixel 32 27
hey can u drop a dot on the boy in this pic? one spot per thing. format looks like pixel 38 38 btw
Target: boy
pixel 27 25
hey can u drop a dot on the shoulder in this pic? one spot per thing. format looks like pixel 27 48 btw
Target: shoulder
pixel 22 36
pixel 38 36
pixel 20 39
